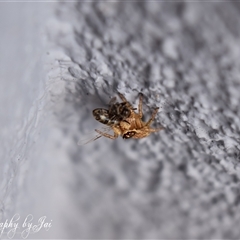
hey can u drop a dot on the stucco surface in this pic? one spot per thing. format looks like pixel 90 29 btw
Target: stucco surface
pixel 180 183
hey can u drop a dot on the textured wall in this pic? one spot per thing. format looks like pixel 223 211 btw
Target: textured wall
pixel 180 183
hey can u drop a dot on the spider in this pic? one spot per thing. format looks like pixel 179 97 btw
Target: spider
pixel 124 121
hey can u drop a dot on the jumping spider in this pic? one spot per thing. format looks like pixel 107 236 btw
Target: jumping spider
pixel 124 121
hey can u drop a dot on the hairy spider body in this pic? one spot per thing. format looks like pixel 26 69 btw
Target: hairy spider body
pixel 124 121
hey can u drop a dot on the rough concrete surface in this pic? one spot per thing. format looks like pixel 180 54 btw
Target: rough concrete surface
pixel 180 183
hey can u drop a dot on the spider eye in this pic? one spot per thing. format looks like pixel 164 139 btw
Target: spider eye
pixel 128 135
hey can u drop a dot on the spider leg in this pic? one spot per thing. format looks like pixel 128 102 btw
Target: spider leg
pixel 113 100
pixel 125 100
pixel 107 135
pixel 152 117
pixel 156 129
pixel 140 105
pixel 122 97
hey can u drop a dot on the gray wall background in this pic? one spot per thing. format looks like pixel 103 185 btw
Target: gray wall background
pixel 59 61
